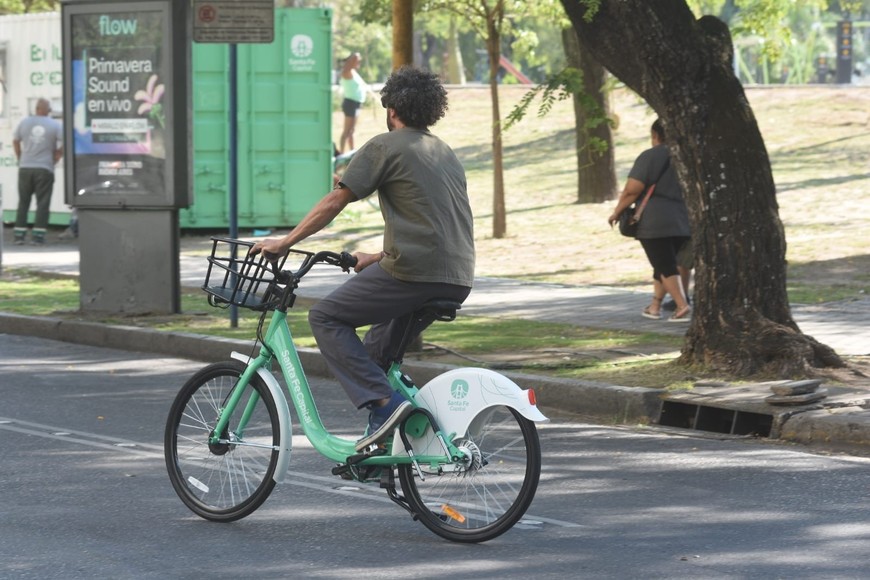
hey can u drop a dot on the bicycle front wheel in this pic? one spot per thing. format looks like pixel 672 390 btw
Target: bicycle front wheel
pixel 486 496
pixel 227 480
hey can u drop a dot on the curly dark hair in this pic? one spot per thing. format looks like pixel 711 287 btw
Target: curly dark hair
pixel 417 96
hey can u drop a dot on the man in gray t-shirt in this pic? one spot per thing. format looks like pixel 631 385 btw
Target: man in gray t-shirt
pixel 428 249
pixel 38 145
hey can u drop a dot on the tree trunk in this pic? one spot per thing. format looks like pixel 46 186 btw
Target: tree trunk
pixel 596 173
pixel 455 69
pixel 403 33
pixel 742 322
pixel 499 217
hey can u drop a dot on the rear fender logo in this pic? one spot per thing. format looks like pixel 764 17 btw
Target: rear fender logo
pixel 458 394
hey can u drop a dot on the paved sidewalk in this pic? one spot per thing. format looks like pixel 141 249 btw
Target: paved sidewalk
pixel 841 421
pixel 844 325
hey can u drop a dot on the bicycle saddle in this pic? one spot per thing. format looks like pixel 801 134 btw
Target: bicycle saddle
pixel 442 309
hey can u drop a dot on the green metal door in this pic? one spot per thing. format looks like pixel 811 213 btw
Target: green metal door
pixel 284 121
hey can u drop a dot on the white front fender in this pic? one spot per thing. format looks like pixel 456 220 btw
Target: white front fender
pixel 284 423
pixel 456 397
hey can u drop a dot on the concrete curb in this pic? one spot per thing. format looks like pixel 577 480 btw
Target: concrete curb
pixel 844 428
pixel 606 402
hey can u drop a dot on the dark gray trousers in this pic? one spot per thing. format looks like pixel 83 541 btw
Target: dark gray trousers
pixel 39 182
pixel 371 297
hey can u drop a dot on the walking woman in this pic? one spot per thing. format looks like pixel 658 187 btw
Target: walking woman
pixel 664 228
pixel 354 89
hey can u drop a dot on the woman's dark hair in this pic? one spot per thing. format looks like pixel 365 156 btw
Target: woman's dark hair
pixel 417 96
pixel 659 129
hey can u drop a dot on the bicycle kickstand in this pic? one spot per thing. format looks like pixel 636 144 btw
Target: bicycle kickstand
pixel 388 482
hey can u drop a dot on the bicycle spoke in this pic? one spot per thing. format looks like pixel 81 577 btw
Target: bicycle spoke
pixel 485 497
pixel 228 478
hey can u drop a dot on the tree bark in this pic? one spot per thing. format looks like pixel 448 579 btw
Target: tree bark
pixel 499 213
pixel 403 33
pixel 681 66
pixel 596 173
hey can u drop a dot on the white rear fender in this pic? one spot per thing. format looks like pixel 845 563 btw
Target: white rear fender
pixel 458 396
pixel 284 424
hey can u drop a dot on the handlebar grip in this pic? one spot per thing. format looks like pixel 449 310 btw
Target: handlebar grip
pixel 347 261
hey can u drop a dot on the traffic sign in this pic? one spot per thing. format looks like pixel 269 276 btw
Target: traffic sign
pixel 234 21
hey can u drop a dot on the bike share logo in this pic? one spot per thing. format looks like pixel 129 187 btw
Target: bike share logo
pixel 296 387
pixel 302 47
pixel 458 393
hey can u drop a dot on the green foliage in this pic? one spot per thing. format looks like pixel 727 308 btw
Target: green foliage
pixel 558 87
pixel 352 32
pixel 592 8
pixel 778 41
pixel 375 11
pixel 764 19
pixel 563 85
pixel 504 14
pixel 529 33
pixel 28 6
pixel 853 7
pixel 535 44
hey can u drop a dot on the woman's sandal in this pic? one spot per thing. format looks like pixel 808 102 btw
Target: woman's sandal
pixel 684 315
pixel 648 313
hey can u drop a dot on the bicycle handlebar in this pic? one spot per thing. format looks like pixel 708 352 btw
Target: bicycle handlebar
pixel 343 260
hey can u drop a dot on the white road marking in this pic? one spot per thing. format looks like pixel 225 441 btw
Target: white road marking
pixel 148 451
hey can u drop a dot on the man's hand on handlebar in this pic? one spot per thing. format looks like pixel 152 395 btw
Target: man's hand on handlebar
pixel 364 260
pixel 272 249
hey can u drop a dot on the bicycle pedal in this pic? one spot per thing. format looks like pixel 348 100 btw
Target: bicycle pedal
pixel 342 470
pixel 372 451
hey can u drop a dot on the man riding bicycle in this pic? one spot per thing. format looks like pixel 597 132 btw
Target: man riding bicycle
pixel 428 249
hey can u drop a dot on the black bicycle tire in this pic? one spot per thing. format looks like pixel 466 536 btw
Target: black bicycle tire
pixel 264 489
pixel 436 524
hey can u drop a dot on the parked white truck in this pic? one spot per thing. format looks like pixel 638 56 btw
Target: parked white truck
pixel 30 68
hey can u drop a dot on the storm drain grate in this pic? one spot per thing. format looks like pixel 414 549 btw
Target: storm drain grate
pixel 715 419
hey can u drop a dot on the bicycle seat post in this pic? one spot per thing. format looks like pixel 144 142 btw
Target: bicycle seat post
pixel 443 309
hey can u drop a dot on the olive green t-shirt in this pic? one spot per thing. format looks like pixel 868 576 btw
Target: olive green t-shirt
pixel 429 230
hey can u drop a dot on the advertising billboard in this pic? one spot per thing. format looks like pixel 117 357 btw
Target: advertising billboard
pixel 125 134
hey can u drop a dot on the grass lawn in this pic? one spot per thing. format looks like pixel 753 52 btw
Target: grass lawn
pixel 818 139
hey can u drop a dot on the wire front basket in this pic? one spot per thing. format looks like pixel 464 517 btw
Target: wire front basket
pixel 234 277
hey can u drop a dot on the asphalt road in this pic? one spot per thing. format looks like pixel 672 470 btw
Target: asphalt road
pixel 85 495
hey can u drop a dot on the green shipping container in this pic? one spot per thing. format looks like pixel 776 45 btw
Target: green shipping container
pixel 284 120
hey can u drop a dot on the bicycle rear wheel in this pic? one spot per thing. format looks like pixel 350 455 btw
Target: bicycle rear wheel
pixel 228 480
pixel 484 498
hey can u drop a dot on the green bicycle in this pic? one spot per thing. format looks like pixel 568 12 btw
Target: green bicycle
pixel 467 458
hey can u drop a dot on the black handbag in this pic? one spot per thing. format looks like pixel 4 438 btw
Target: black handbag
pixel 629 218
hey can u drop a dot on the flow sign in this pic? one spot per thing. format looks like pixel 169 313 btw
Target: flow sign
pixel 234 21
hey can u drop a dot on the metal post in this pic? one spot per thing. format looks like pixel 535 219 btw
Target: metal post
pixel 233 169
